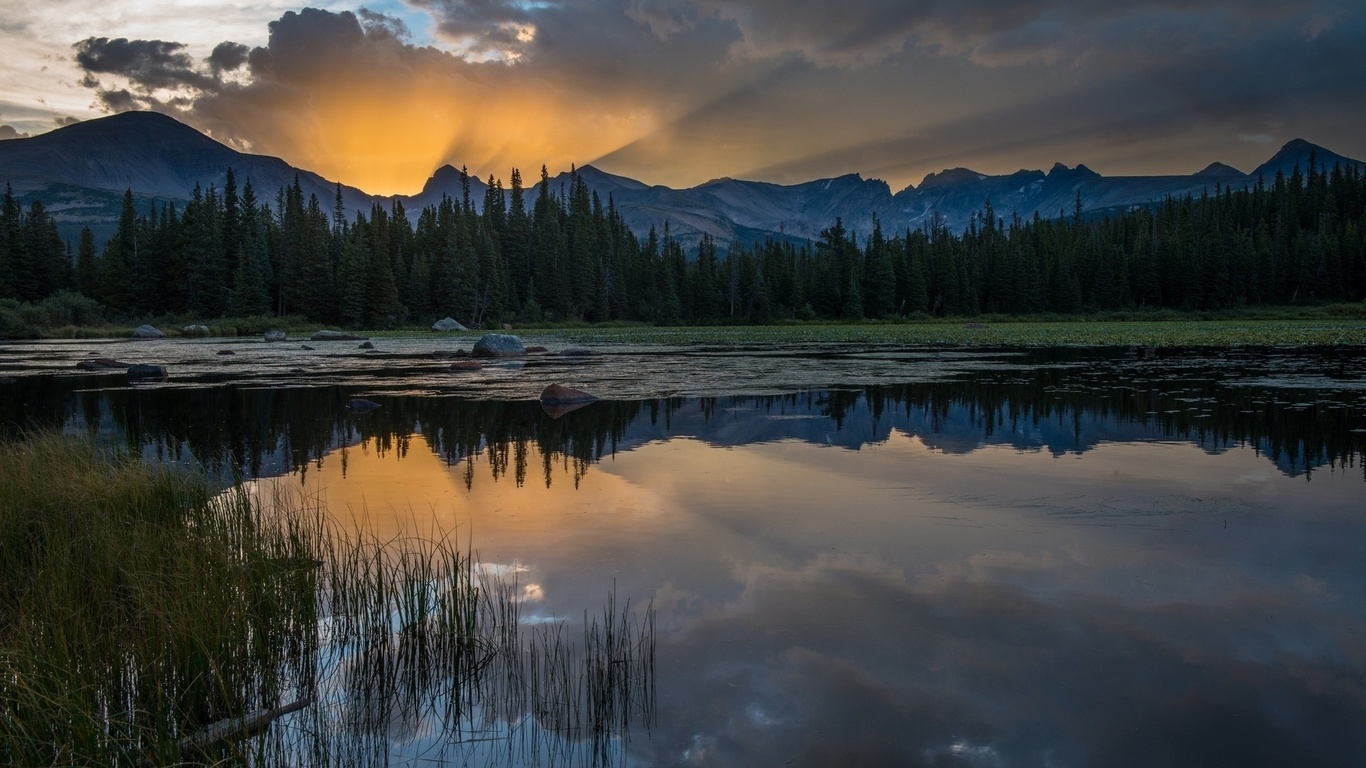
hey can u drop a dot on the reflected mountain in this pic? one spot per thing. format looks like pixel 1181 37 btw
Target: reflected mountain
pixel 1060 403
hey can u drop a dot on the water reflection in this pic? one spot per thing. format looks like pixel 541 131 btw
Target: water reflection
pixel 268 431
pixel 1039 566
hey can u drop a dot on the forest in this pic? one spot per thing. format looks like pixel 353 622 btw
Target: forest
pixel 553 255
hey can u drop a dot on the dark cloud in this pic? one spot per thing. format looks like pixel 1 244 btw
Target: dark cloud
pixel 149 64
pixel 379 23
pixel 66 120
pixel 502 27
pixel 10 132
pixel 227 57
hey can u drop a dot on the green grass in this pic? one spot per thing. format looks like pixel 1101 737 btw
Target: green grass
pixel 147 619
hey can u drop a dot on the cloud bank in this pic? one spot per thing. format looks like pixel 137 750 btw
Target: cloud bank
pixel 678 91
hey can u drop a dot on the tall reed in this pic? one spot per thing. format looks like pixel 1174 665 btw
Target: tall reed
pixel 147 619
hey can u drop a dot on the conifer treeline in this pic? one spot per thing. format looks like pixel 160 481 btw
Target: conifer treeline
pixel 569 256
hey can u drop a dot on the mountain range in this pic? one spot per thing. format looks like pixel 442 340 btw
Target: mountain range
pixel 81 171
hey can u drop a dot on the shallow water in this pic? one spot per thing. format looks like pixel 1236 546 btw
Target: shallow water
pixel 858 554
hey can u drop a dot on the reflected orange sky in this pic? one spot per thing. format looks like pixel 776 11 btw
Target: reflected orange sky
pixel 684 510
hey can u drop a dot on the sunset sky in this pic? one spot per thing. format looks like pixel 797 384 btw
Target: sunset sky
pixel 680 91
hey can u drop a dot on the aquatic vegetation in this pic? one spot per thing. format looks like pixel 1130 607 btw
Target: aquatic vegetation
pixel 146 618
pixel 1143 333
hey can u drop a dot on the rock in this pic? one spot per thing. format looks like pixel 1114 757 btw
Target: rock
pixel 305 346
pixel 535 349
pixel 465 365
pixel 446 354
pixel 499 345
pixel 103 364
pixel 361 405
pixel 558 394
pixel 366 345
pixel 447 324
pixel 507 326
pixel 226 352
pixel 558 400
pixel 148 332
pixel 578 352
pixel 198 331
pixel 275 336
pixel 335 336
pixel 144 372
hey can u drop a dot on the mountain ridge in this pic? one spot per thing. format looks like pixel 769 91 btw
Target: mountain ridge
pixel 83 167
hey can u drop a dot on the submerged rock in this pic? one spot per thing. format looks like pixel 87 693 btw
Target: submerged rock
pixel 578 352
pixel 144 372
pixel 558 400
pixel 361 405
pixel 366 345
pixel 148 332
pixel 226 352
pixel 535 349
pixel 103 364
pixel 558 394
pixel 326 335
pixel 275 336
pixel 447 324
pixel 465 365
pixel 499 345
pixel 446 354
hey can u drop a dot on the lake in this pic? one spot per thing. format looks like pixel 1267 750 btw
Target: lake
pixel 858 554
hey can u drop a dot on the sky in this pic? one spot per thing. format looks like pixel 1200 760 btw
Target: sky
pixel 678 92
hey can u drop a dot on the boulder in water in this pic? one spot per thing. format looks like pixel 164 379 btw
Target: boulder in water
pixel 148 332
pixel 499 345
pixel 144 372
pixel 275 336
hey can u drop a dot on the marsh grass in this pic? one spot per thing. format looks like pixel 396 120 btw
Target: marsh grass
pixel 147 619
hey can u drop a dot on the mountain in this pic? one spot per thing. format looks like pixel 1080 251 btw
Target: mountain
pixel 81 171
pixel 1300 153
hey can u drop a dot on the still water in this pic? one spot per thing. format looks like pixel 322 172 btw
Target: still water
pixel 1054 558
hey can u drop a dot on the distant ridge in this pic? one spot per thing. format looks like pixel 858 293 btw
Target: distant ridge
pixel 80 172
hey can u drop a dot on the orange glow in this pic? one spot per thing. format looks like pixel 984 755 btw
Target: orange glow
pixel 388 140
pixel 389 496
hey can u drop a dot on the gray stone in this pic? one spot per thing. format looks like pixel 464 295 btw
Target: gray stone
pixel 335 336
pixel 447 324
pixel 275 336
pixel 148 332
pixel 499 345
pixel 198 331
